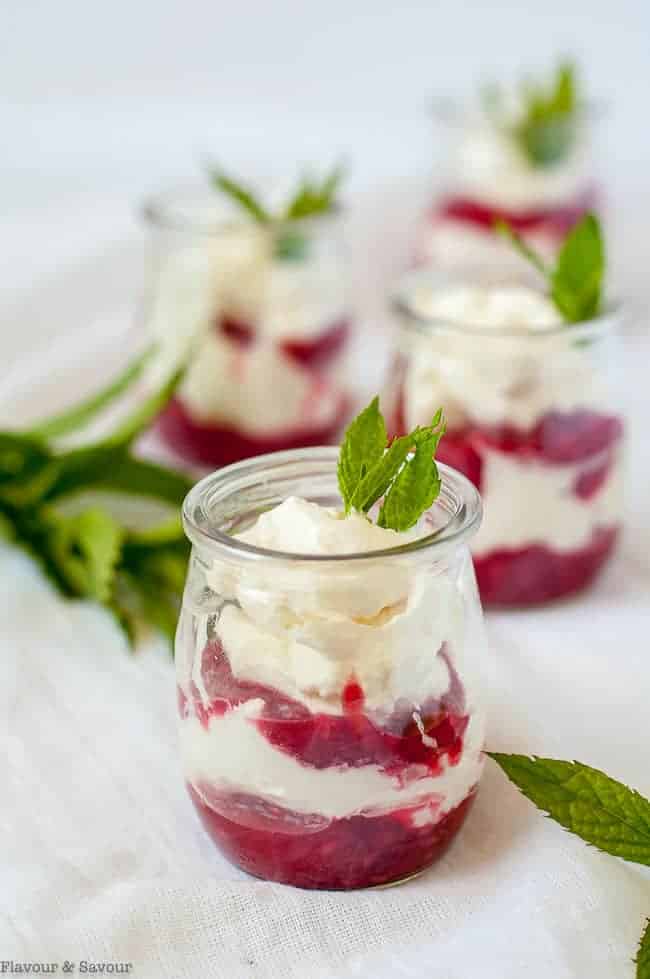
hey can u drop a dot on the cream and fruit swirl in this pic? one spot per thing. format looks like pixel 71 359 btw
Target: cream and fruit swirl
pixel 238 277
pixel 526 400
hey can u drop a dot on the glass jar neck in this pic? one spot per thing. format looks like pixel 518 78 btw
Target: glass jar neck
pixel 224 504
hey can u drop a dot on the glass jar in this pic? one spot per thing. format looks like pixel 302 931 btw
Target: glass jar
pixel 532 420
pixel 263 314
pixel 331 708
pixel 486 177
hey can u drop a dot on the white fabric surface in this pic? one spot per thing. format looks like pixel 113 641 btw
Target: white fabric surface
pixel 104 859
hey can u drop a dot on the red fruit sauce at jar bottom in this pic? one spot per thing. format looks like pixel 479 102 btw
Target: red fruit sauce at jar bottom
pixel 311 850
pixel 534 573
pixel 219 445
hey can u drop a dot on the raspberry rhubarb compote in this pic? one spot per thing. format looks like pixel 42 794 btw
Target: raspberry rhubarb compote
pixel 329 672
pixel 256 301
pixel 530 421
pixel 519 155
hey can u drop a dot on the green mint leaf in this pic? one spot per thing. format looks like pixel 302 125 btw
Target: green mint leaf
pixel 7 529
pixel 507 231
pixel 577 281
pixel 585 801
pixel 107 467
pixel 379 477
pixel 27 469
pixel 313 197
pixel 291 246
pixel 414 488
pixel 362 447
pixel 85 549
pixel 242 195
pixel 643 955
pixel 376 482
pixel 547 130
pixel 81 414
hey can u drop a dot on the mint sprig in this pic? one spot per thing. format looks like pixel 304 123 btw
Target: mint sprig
pixel 576 280
pixel 86 551
pixel 313 197
pixel 585 801
pixel 404 473
pixel 547 130
pixel 592 805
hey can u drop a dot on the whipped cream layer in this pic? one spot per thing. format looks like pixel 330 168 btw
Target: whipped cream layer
pixel 396 628
pixel 256 388
pixel 481 375
pixel 490 168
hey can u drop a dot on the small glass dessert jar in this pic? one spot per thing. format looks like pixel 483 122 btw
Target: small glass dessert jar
pixel 263 314
pixel 331 707
pixel 539 178
pixel 531 420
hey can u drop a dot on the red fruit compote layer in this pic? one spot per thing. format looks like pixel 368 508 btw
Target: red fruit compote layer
pixel 331 730
pixel 528 423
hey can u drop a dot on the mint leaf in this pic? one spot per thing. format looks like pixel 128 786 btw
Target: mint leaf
pixel 414 488
pixel 142 417
pixel 368 471
pixel 576 282
pixel 376 482
pixel 643 955
pixel 85 550
pixel 313 198
pixel 241 195
pixel 84 412
pixel 362 447
pixel 108 467
pixel 27 469
pixel 585 801
pixel 291 246
pixel 547 130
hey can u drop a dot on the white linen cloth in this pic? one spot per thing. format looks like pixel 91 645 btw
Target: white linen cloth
pixel 103 858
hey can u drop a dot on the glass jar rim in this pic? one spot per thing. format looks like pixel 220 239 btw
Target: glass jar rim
pixel 426 325
pixel 168 210
pixel 458 495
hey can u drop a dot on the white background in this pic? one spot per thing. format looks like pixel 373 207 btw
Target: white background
pixel 100 104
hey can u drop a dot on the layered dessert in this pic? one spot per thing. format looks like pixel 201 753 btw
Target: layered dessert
pixel 260 310
pixel 521 156
pixel 331 721
pixel 529 422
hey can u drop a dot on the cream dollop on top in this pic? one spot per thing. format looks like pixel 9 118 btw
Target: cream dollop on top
pixel 511 307
pixel 300 526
